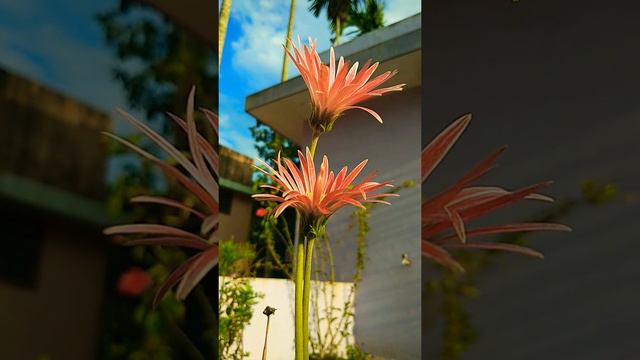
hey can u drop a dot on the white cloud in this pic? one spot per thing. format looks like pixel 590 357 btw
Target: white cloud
pixel 258 50
pixel 234 126
pixel 233 136
pixel 396 10
pixel 256 53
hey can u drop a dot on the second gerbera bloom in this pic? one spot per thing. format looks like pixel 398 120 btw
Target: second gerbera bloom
pixel 319 194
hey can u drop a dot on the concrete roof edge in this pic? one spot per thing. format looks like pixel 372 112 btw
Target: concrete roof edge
pixel 382 41
pixel 235 186
pixel 53 200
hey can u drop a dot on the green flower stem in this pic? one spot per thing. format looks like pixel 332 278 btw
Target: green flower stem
pixel 314 143
pixel 306 298
pixel 298 294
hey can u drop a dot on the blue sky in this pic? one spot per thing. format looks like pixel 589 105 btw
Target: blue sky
pixel 252 56
pixel 59 43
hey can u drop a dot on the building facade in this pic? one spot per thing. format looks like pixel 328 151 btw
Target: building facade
pixel 51 208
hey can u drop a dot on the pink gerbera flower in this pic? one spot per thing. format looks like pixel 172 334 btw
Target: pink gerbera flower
pixel 336 87
pixel 318 195
pixel 197 172
pixel 462 202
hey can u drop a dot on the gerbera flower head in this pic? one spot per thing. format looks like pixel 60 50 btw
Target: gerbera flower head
pixel 197 173
pixel 334 88
pixel 444 215
pixel 319 194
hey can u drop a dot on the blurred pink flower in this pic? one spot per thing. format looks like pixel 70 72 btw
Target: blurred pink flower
pixel 450 209
pixel 133 282
pixel 336 87
pixel 261 212
pixel 197 174
pixel 318 195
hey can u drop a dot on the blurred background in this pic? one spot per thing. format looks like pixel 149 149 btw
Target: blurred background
pixel 65 66
pixel 557 82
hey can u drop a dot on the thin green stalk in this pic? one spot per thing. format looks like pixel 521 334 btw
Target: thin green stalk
pixel 298 293
pixel 314 143
pixel 306 297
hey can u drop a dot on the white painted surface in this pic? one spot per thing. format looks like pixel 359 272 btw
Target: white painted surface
pixel 279 294
pixel 388 301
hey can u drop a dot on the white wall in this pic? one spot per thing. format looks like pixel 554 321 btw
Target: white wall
pixel 388 300
pixel 279 294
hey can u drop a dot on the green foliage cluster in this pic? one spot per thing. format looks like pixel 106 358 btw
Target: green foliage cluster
pixel 236 297
pixel 159 62
pixel 361 15
pixel 266 231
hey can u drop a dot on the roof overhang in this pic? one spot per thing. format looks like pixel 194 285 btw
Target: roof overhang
pixel 53 200
pixel 397 46
pixel 235 186
pixel 200 17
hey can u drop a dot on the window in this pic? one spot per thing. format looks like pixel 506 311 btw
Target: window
pixel 226 198
pixel 22 232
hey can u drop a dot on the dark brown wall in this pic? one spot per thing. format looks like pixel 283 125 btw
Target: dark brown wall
pixel 51 138
pixel 60 316
pixel 235 166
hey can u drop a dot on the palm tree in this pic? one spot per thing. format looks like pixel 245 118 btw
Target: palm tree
pixel 366 16
pixel 337 14
pixel 225 9
pixel 285 59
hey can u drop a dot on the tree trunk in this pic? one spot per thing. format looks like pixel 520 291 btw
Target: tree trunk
pixel 285 59
pixel 223 19
pixel 336 41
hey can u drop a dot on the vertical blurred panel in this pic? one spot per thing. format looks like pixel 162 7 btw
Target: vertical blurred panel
pixel 557 81
pixel 65 67
pixel 52 167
